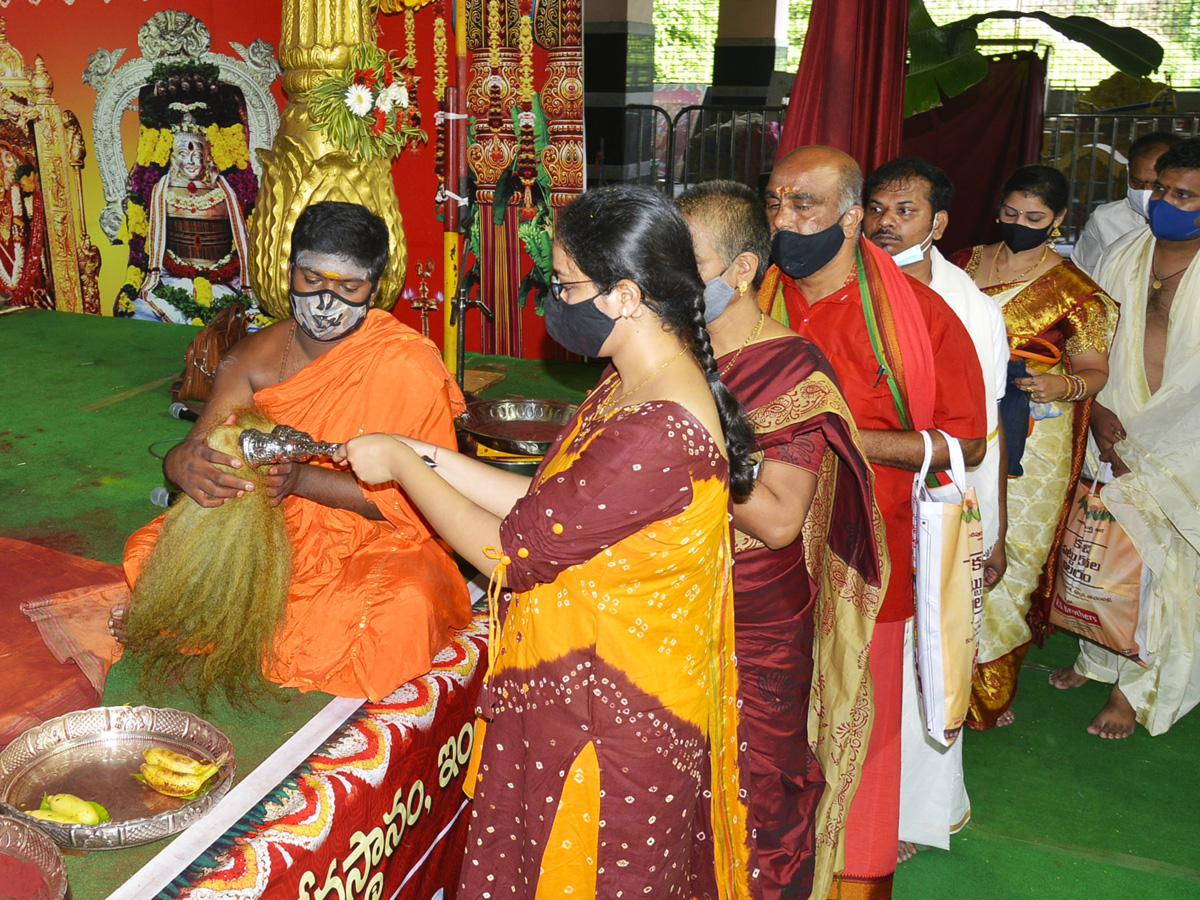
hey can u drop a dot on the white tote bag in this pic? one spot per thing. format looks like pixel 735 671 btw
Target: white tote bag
pixel 948 572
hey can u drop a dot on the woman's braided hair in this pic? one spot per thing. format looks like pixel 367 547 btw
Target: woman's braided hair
pixel 625 232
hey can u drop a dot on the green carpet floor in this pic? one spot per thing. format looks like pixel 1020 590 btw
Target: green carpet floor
pixel 1057 813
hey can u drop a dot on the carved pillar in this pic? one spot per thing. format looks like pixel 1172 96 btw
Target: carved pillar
pixel 751 44
pixel 303 166
pixel 559 27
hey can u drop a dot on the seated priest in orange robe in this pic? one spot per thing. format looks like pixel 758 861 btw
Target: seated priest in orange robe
pixel 373 596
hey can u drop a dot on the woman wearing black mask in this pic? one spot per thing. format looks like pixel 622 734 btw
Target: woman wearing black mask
pixel 1060 324
pixel 610 761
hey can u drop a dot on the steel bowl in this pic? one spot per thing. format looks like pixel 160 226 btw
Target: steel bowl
pixel 29 844
pixel 516 425
pixel 94 754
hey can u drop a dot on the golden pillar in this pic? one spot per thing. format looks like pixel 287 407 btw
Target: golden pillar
pixel 304 166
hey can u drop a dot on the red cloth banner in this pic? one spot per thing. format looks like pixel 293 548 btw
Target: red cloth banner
pixel 849 89
pixel 378 812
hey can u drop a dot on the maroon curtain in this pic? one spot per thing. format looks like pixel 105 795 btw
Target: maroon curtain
pixel 979 137
pixel 849 89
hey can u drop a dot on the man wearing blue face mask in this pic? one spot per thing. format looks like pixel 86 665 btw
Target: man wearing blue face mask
pixel 1112 220
pixel 905 364
pixel 907 208
pixel 1145 424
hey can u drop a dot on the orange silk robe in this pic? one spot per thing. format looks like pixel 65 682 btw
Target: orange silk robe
pixel 371 602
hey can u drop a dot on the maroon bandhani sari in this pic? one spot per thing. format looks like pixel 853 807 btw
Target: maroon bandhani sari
pixel 800 417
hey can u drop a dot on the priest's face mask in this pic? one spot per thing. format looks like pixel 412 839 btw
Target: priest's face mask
pixel 191 155
pixel 899 219
pixel 330 295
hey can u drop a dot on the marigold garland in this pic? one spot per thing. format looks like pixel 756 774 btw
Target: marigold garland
pixel 369 109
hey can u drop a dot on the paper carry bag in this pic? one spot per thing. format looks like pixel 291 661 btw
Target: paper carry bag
pixel 1097 591
pixel 948 573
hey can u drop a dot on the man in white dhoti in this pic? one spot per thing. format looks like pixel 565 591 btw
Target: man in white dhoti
pixel 907 209
pixel 1115 219
pixel 1145 423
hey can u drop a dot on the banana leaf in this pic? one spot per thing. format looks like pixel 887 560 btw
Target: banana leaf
pixel 939 61
pixel 1133 52
pixel 943 58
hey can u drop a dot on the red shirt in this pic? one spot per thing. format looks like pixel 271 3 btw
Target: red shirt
pixel 836 325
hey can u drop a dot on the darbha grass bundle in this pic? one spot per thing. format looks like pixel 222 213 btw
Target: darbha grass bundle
pixel 209 604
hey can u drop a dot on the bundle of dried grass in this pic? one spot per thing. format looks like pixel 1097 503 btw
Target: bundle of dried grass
pixel 207 608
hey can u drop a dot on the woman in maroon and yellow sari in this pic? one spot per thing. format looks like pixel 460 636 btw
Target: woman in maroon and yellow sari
pixel 1060 324
pixel 793 567
pixel 610 765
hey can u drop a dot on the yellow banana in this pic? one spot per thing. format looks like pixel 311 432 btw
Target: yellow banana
pixel 169 759
pixel 176 784
pixel 47 815
pixel 78 811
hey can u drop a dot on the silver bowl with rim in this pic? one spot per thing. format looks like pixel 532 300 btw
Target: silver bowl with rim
pixel 94 754
pixel 24 842
pixel 520 425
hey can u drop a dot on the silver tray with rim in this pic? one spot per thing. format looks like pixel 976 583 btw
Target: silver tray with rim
pixel 27 843
pixel 93 754
pixel 519 425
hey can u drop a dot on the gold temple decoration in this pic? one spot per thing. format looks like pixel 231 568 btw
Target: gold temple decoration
pixel 47 257
pixel 304 166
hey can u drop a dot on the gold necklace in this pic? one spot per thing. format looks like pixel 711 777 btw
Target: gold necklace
pixel 1158 280
pixel 602 408
pixel 750 338
pixel 996 257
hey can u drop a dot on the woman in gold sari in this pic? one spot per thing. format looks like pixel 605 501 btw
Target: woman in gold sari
pixel 1060 323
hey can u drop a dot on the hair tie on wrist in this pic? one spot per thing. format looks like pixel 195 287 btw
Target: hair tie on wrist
pixel 712 377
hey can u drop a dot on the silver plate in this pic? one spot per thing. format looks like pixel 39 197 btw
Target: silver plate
pixel 93 754
pixel 515 424
pixel 27 843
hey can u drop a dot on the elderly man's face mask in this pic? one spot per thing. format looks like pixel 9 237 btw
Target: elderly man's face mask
pixel 330 295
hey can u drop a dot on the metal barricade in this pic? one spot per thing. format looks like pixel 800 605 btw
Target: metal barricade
pixel 1091 150
pixel 649 146
pixel 701 143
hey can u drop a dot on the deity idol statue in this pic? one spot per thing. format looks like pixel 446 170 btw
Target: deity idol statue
pixel 196 231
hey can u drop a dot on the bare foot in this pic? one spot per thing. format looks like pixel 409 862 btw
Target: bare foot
pixel 906 852
pixel 1065 679
pixel 1117 720
pixel 1006 718
pixel 116 622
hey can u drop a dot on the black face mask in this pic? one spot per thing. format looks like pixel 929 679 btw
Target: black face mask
pixel 800 255
pixel 1021 237
pixel 580 327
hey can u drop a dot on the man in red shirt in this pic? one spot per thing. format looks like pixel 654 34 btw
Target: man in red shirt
pixel 919 373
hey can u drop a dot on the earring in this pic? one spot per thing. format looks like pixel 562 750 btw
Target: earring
pixel 1055 233
pixel 743 287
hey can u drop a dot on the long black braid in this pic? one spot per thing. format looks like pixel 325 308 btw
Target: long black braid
pixel 626 232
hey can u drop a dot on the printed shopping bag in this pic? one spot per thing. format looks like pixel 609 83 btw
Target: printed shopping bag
pixel 948 569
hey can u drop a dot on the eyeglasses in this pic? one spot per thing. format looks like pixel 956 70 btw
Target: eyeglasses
pixel 556 287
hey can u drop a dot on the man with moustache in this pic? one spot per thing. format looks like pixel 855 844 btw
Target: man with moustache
pixel 373 597
pixel 1144 422
pixel 1115 219
pixel 907 209
pixel 905 365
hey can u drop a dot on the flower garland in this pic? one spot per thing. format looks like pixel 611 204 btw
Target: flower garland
pixel 369 109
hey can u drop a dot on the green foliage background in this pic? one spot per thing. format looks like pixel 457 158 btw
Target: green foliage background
pixel 686 29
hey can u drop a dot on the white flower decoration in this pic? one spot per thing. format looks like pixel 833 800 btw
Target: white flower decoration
pixel 399 93
pixel 359 99
pixel 383 102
